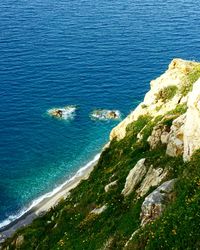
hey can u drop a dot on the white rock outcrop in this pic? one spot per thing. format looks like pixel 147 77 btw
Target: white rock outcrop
pixel 99 210
pixel 134 177
pixel 155 203
pixel 110 185
pixel 192 123
pixel 159 135
pixel 175 141
pixel 153 178
pixel 152 105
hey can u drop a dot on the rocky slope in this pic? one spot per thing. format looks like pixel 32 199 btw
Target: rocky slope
pixel 144 193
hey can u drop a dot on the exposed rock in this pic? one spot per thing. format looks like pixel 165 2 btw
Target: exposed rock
pixel 192 123
pixel 175 140
pixel 63 113
pixel 99 210
pixel 174 76
pixel 108 244
pixel 104 114
pixel 134 177
pixel 164 137
pixel 110 185
pixel 160 134
pixel 126 246
pixel 152 178
pixel 19 241
pixel 155 203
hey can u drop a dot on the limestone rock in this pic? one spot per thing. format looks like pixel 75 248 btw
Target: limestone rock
pixel 175 140
pixel 155 202
pixel 110 185
pixel 134 177
pixel 99 210
pixel 152 178
pixel 192 123
pixel 152 105
pixel 119 131
pixel 159 135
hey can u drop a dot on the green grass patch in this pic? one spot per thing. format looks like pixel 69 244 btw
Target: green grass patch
pixel 167 93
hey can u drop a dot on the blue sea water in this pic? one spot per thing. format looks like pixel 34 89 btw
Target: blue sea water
pixel 90 53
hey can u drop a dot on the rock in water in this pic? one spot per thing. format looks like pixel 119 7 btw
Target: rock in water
pixel 65 113
pixel 104 114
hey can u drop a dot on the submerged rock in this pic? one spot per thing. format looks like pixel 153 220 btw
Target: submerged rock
pixel 155 203
pixel 105 114
pixel 65 113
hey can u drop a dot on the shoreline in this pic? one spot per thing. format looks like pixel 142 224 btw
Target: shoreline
pixel 47 201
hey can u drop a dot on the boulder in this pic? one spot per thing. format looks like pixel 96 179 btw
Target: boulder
pixel 134 177
pixel 159 135
pixel 175 141
pixel 153 178
pixel 99 210
pixel 155 203
pixel 110 185
pixel 192 123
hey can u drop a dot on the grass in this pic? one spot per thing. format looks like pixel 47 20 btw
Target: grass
pixel 70 225
pixel 167 93
pixel 190 79
pixel 179 227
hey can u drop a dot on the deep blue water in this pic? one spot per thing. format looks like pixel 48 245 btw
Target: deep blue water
pixel 87 52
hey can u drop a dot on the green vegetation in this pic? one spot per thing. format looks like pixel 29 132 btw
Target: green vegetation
pixel 179 227
pixel 191 78
pixel 167 93
pixel 71 226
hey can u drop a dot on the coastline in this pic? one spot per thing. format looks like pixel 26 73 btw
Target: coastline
pixel 47 201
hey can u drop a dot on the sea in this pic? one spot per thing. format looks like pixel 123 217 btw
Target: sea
pixel 90 53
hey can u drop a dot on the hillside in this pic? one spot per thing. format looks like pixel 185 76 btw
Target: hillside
pixel 144 193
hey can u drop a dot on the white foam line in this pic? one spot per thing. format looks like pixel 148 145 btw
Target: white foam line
pixel 35 202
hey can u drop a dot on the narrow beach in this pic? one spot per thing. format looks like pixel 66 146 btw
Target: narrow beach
pixel 49 201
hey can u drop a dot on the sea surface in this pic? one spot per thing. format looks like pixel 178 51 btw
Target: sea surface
pixel 90 53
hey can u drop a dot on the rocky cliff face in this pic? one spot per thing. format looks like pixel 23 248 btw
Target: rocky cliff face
pixel 165 93
pixel 175 87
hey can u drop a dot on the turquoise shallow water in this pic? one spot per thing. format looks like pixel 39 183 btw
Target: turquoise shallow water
pixel 95 54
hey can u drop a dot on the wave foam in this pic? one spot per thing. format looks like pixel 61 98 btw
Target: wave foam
pixel 37 201
pixel 65 113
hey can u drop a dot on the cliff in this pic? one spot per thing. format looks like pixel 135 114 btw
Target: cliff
pixel 144 193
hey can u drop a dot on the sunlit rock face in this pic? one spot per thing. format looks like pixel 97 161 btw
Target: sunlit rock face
pixel 192 123
pixel 156 102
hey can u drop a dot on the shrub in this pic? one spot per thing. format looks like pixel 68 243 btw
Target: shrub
pixel 167 93
pixel 192 77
